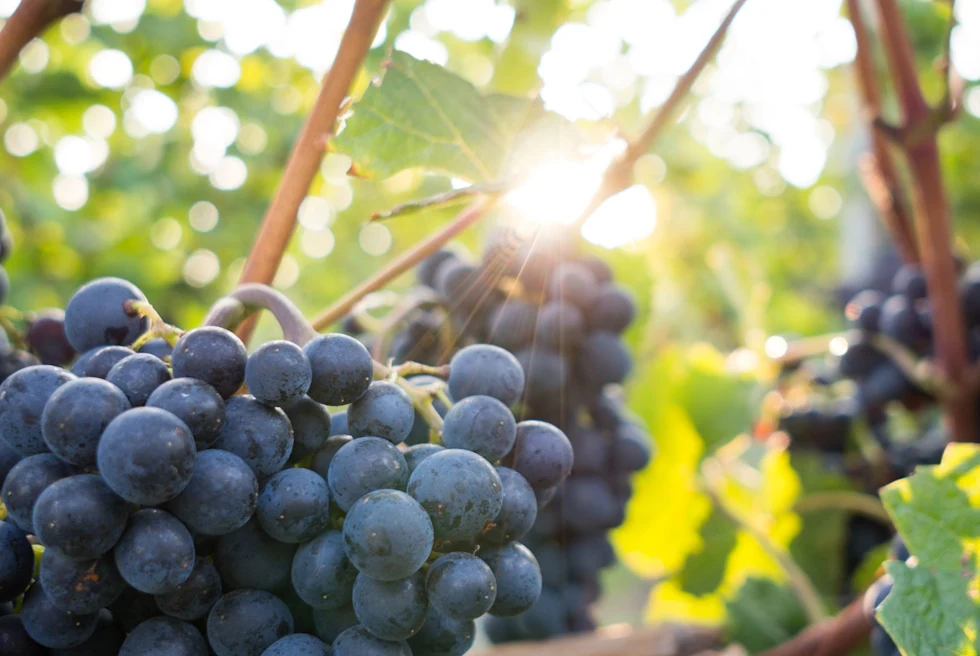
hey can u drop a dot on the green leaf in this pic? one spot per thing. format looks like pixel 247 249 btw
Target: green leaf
pixel 422 115
pixel 763 614
pixel 933 608
pixel 704 569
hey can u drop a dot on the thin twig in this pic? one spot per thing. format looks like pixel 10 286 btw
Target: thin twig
pixel 932 222
pixel 27 22
pixel 304 161
pixel 799 582
pixel 404 262
pixel 855 502
pixel 878 173
pixel 619 174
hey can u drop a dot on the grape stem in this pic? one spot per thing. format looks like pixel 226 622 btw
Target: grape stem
pixel 804 590
pixel 862 504
pixel 404 262
pixel 251 297
pixel 304 160
pixel 28 21
pixel 878 173
pixel 919 143
pixel 157 326
pixel 422 395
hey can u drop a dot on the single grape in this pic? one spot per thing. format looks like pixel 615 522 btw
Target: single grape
pixel 461 586
pixel 16 562
pixel 211 354
pixel 384 410
pixel 8 458
pixel 320 462
pixel 138 376
pixel 587 555
pixel 97 315
pixel 331 623
pixel 542 454
pixel 322 575
pixel 311 426
pixel 195 403
pixel 428 268
pixel 590 504
pixel 278 373
pixel 15 640
pixel 560 326
pixel 901 321
pixel 147 455
pixel 298 644
pixel 338 423
pixel 518 512
pixel 573 282
pixel 107 639
pixel 46 337
pixel 164 636
pixel 630 449
pixel 387 535
pixel 342 368
pixel 247 622
pixel 546 375
pixel 442 636
pixel 221 495
pixel 249 558
pixel 22 399
pixel 391 610
pixel 518 578
pixel 462 285
pixel 25 483
pixel 488 370
pixel 158 347
pixel 612 310
pixel 258 434
pixel 76 415
pixel 512 324
pixel 100 361
pixel 358 641
pixel 603 359
pixel 416 454
pixel 155 553
pixel 592 449
pixel 193 599
pixel 133 608
pixel 49 625
pixel 294 505
pixel 481 424
pixel 460 491
pixel 80 586
pixel 364 465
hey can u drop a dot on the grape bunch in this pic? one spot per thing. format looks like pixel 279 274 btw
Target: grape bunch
pixel 194 498
pixel 562 317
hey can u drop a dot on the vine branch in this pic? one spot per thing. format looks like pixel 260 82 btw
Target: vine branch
pixel 304 160
pixel 619 174
pixel 28 21
pixel 932 219
pixel 878 173
pixel 834 637
pixel 404 262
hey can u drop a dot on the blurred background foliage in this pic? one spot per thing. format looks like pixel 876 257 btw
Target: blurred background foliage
pixel 144 139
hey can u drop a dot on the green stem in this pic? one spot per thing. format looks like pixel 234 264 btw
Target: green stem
pixel 855 502
pixel 799 582
pixel 421 396
pixel 157 326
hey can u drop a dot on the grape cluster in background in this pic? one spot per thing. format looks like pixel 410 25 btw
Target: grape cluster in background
pixel 562 316
pixel 172 510
pixel 876 404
